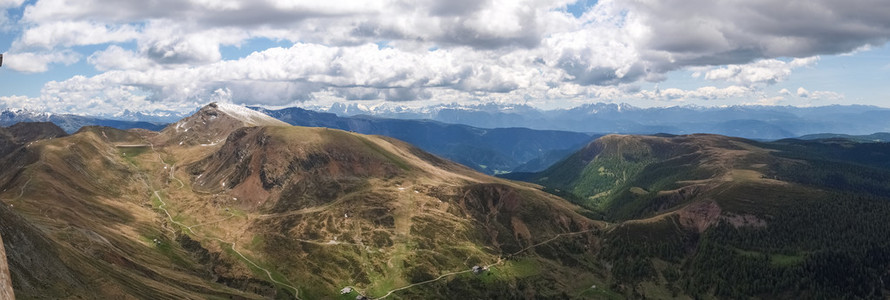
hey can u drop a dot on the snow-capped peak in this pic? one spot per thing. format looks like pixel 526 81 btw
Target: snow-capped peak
pixel 248 116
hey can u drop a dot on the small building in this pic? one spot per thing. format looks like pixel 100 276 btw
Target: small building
pixel 361 297
pixel 478 270
pixel 346 290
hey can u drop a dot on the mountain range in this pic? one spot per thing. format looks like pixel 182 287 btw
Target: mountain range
pixel 867 138
pixel 491 151
pixel 230 202
pixel 71 123
pixel 496 139
pixel 750 121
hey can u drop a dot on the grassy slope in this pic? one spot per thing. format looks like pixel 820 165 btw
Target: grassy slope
pixel 404 217
pixel 738 218
pixel 89 200
pixel 307 209
pixel 279 208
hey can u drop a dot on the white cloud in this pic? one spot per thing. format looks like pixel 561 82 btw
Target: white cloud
pixel 705 32
pixel 19 102
pixel 491 50
pixel 31 62
pixel 67 34
pixel 5 24
pixel 117 58
pixel 818 95
pixel 766 101
pixel 4 4
pixel 702 93
pixel 306 68
pixel 827 95
pixel 767 71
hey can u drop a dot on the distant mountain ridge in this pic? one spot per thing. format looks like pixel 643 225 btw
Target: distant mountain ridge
pixel 490 151
pixel 749 121
pixel 879 137
pixel 71 123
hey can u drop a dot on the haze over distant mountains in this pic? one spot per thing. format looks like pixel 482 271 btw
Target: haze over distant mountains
pixel 758 122
pixel 749 121
pixel 491 151
pixel 71 123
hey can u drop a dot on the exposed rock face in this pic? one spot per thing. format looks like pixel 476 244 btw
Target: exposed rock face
pixel 213 123
pixel 5 281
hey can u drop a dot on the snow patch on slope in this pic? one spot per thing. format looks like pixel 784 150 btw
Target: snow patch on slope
pixel 249 116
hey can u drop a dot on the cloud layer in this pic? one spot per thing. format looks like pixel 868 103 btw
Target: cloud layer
pixel 167 53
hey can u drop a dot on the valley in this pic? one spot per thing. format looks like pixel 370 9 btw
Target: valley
pixel 231 203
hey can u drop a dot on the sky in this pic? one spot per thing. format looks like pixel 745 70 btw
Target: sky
pixel 101 57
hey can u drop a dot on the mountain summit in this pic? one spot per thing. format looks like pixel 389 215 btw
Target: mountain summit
pixel 213 123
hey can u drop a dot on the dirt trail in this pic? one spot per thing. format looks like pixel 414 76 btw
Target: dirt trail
pixel 189 228
pixel 500 261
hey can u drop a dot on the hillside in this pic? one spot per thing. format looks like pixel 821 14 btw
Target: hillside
pixel 628 177
pixel 733 218
pixel 491 151
pixel 232 204
pixel 20 134
pixel 276 212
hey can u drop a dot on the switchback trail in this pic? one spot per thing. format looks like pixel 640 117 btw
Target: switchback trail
pixel 189 228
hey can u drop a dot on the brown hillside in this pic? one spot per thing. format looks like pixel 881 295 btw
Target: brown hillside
pixel 271 211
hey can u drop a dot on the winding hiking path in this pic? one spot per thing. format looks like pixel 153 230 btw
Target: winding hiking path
pixel 500 261
pixel 189 228
pixel 163 207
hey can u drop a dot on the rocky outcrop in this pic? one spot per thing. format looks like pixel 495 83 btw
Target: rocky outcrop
pixel 212 124
pixel 5 281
